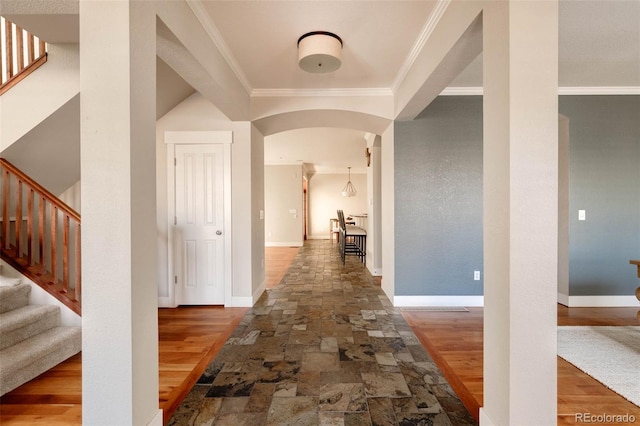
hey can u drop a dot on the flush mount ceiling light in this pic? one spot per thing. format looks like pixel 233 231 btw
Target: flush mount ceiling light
pixel 349 190
pixel 319 52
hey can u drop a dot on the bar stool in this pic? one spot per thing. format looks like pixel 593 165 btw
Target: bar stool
pixel 352 240
pixel 334 229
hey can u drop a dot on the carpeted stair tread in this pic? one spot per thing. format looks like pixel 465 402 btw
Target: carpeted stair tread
pixel 29 358
pixel 22 323
pixel 14 296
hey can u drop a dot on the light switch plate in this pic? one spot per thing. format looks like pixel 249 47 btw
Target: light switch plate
pixel 582 215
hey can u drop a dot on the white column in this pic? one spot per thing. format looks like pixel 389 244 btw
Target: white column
pixel 387 213
pixel 374 206
pixel 520 212
pixel 563 210
pixel 120 331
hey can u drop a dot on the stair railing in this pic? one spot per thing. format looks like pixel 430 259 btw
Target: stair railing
pixel 21 54
pixel 40 235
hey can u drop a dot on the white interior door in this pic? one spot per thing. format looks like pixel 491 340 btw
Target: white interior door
pixel 199 224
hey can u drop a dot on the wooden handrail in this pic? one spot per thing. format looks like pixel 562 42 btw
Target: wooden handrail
pixel 41 189
pixel 57 253
pixel 18 53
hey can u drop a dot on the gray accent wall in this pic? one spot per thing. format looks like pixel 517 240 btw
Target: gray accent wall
pixel 438 193
pixel 438 199
pixel 604 176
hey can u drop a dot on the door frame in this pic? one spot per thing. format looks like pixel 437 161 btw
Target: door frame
pixel 171 139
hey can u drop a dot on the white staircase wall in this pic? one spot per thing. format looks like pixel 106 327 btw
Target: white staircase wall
pixel 40 297
pixel 40 120
pixel 39 95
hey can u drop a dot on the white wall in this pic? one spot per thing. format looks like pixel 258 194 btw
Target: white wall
pixel 24 106
pixel 71 196
pixel 325 198
pixel 388 211
pixel 198 114
pixel 283 205
pixel 374 193
pixel 257 219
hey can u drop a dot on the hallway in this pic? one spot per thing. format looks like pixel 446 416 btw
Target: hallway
pixel 325 347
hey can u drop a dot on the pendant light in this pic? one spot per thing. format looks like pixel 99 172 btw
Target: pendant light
pixel 349 190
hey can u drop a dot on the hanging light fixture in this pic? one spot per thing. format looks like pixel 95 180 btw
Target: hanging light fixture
pixel 349 190
pixel 319 52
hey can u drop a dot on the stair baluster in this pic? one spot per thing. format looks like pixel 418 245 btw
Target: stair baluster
pixel 16 63
pixel 57 251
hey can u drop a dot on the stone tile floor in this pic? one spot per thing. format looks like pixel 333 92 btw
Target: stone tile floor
pixel 324 347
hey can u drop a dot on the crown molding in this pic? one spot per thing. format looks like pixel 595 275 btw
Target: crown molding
pixel 354 92
pixel 284 163
pixel 340 171
pixel 562 91
pixel 426 32
pixel 203 17
pixel 613 90
pixel 462 91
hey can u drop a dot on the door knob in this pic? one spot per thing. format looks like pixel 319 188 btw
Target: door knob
pixel 218 232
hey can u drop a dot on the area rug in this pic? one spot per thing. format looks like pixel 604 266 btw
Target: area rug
pixel 610 355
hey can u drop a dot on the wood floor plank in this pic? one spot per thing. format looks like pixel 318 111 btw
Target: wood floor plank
pixel 454 339
pixel 189 339
pixel 276 262
pixel 191 336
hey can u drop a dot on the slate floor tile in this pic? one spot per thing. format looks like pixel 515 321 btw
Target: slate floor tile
pixel 299 410
pixel 324 347
pixel 342 397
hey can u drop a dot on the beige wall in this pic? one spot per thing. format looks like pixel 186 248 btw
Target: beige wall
pixel 325 198
pixel 283 205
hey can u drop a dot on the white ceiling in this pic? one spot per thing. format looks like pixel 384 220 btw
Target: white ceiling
pixel 599 46
pixel 599 51
pixel 323 149
pixel 262 37
pixel 599 41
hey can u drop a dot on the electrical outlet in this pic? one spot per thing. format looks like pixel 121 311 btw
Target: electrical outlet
pixel 476 275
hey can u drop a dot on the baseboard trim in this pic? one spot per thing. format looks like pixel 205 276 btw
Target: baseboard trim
pixel 318 237
pixel 408 301
pixel 258 292
pixel 157 419
pixel 241 302
pixel 485 420
pixel 165 302
pixel 601 302
pixel 563 299
pixel 376 272
pixel 283 244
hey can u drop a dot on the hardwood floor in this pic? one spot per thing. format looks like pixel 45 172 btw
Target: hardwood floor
pixel 276 263
pixel 191 336
pixel 53 398
pixel 454 339
pixel 189 339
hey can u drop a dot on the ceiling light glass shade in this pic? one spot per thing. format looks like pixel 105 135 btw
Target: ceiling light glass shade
pixel 349 190
pixel 319 52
